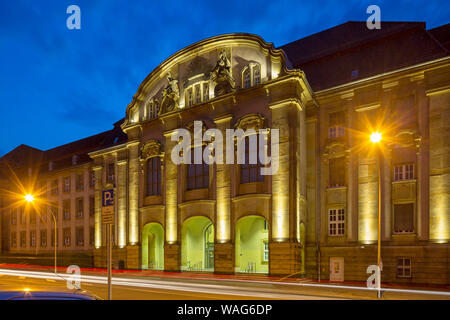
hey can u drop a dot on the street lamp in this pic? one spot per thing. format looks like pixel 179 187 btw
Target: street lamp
pixel 375 138
pixel 30 198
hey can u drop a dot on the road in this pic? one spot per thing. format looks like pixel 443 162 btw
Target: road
pixel 177 287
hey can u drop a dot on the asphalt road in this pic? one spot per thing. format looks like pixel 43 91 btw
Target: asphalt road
pixel 179 287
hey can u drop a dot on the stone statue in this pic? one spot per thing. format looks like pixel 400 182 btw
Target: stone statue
pixel 170 95
pixel 221 75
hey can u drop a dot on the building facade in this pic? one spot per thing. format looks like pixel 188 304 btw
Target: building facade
pixel 317 215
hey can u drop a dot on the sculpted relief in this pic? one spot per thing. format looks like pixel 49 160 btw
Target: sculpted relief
pixel 221 75
pixel 170 95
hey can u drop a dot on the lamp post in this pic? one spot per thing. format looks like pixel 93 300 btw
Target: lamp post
pixel 375 138
pixel 30 198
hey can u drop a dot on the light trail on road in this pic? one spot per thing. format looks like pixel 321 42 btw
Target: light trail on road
pixel 210 288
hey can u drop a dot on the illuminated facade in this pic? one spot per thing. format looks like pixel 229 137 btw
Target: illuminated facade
pixel 318 214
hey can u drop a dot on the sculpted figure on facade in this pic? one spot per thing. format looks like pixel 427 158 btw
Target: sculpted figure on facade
pixel 221 75
pixel 170 95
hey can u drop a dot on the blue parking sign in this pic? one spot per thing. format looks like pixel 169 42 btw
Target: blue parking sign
pixel 108 198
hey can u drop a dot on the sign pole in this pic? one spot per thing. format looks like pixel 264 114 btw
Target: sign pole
pixel 109 261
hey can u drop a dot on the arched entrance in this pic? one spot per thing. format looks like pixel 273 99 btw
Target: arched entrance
pixel 197 246
pixel 153 247
pixel 252 246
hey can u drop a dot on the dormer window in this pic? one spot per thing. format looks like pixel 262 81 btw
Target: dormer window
pixel 152 109
pixel 75 159
pixel 251 75
pixel 197 93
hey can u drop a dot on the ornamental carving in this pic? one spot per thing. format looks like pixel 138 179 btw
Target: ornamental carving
pixel 221 75
pixel 252 121
pixel 170 95
pixel 150 149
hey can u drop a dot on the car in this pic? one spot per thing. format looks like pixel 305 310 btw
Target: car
pixel 47 295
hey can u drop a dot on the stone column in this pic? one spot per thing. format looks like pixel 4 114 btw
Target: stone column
pixel 133 206
pixel 98 256
pixel 171 247
pixel 122 203
pixel 223 248
pixel 284 252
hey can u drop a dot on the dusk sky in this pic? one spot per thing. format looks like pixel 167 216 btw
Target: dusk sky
pixel 59 85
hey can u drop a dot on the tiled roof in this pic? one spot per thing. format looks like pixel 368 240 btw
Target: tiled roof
pixel 351 51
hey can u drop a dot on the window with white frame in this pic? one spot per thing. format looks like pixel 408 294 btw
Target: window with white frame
pixel 79 235
pixel 13 239
pixel 404 172
pixel 32 238
pixel 66 186
pixel 251 75
pixel 336 222
pixel 152 109
pixel 43 238
pixel 404 218
pixel 66 209
pixel 197 93
pixel 265 251
pixel 66 234
pixel 79 208
pixel 336 125
pixel 404 267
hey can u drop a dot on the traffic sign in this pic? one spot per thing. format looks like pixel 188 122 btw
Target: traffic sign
pixel 108 206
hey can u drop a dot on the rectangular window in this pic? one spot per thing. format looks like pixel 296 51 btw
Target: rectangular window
pixel 66 209
pixel 43 238
pixel 336 172
pixel 404 218
pixel 32 238
pixel 52 240
pixel 404 172
pixel 80 182
pixel 265 251
pixel 54 210
pixel 251 168
pixel 66 237
pixel 92 179
pixel 110 172
pixel 43 214
pixel 66 185
pixel 336 222
pixel 91 236
pixel 79 208
pixel 91 206
pixel 154 176
pixel 404 267
pixel 189 97
pixel 198 94
pixel 205 92
pixel 32 214
pixel 23 219
pixel 23 239
pixel 13 239
pixel 336 125
pixel 13 217
pixel 197 174
pixel 79 236
pixel 54 190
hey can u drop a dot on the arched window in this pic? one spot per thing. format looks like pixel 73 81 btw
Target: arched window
pixel 251 172
pixel 154 176
pixel 256 75
pixel 247 80
pixel 197 174
pixel 152 109
pixel 251 75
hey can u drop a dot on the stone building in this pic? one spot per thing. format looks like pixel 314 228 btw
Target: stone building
pixel 317 215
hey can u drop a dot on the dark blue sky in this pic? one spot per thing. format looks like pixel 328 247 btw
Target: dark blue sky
pixel 59 85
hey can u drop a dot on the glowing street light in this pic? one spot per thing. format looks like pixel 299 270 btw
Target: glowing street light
pixel 29 197
pixel 375 137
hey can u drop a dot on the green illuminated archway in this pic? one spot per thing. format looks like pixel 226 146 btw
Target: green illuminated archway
pixel 153 247
pixel 252 246
pixel 197 244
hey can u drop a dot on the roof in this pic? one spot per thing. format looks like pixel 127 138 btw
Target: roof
pixel 351 51
pixel 25 156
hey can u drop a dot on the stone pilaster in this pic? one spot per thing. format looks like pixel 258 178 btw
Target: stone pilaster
pixel 133 198
pixel 98 170
pixel 122 203
pixel 171 196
